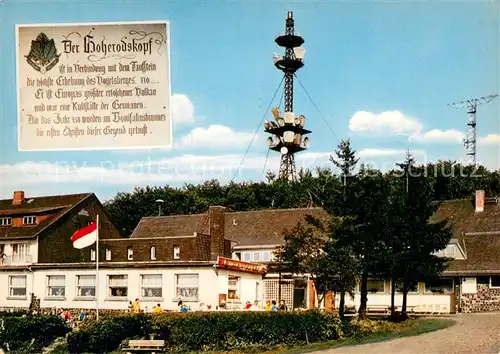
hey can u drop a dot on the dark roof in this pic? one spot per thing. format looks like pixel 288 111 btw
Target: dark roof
pixel 478 234
pixel 247 228
pixel 56 205
pixel 463 218
pixel 482 255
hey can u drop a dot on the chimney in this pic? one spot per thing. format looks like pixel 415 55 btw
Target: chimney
pixel 217 217
pixel 480 198
pixel 18 198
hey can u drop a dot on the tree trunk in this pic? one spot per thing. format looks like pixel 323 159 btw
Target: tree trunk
pixel 342 305
pixel 319 299
pixel 405 299
pixel 393 292
pixel 364 295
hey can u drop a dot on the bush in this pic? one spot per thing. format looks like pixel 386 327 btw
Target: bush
pixel 31 333
pixel 359 328
pixel 217 331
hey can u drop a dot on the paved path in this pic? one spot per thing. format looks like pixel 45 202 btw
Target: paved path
pixel 473 333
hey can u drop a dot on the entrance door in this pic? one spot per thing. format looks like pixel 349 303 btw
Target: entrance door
pixel 300 293
pixel 299 298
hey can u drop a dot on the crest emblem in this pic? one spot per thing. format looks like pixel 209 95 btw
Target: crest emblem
pixel 43 54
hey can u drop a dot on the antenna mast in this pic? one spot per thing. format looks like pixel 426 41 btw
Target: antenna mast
pixel 287 130
pixel 470 140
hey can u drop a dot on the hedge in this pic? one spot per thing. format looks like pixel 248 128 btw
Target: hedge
pixel 30 333
pixel 212 331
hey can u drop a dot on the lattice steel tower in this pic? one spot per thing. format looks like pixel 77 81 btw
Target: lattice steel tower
pixel 288 129
pixel 470 141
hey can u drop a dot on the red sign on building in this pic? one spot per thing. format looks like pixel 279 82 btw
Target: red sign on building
pixel 241 266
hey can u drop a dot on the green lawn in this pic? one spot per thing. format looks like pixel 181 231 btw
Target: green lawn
pixel 410 328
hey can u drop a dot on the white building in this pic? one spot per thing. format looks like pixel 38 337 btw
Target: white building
pixel 38 258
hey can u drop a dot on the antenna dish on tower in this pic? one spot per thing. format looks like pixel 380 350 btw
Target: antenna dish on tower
pixel 299 52
pixel 276 112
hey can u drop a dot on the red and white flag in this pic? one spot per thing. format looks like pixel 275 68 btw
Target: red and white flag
pixel 85 237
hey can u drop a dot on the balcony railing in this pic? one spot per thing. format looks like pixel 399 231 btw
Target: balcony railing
pixel 18 259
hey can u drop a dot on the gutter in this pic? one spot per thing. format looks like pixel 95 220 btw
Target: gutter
pixel 471 272
pixel 130 265
pixel 482 233
pixel 253 247
pixel 143 238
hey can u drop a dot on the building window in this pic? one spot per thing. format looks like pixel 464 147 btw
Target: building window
pixel 117 285
pixel 237 256
pixel 152 252
pixel 29 220
pixel 256 256
pixel 258 291
pixel 130 253
pixel 247 256
pixel 85 285
pixel 483 280
pixel 439 286
pixel 449 251
pixel 266 256
pixel 17 286
pixel 177 252
pixel 186 286
pixel 55 285
pixel 5 221
pixel 399 287
pixel 19 249
pixel 151 285
pixel 108 254
pixel 495 282
pixel 20 253
pixel 233 288
pixel 375 286
pixel 92 254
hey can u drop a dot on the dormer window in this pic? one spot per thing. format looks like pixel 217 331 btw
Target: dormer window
pixel 29 220
pixel 6 221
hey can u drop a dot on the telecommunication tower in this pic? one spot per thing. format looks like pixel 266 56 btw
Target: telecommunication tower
pixel 287 129
pixel 470 140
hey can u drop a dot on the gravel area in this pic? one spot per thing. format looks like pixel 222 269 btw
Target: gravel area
pixel 473 333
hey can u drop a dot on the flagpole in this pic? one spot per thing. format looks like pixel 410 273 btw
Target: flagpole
pixel 97 270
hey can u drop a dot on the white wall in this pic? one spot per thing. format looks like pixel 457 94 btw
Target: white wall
pixel 248 285
pixel 421 302
pixel 210 286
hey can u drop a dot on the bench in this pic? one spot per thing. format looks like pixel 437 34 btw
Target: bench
pixel 144 345
pixel 381 309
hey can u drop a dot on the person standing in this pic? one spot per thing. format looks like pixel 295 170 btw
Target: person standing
pixel 274 307
pixel 136 306
pixel 282 306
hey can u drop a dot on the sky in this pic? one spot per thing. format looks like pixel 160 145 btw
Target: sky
pixel 379 73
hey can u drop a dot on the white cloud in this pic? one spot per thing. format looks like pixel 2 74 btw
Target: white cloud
pixel 394 123
pixel 386 123
pixel 369 153
pixel 490 139
pixel 40 178
pixel 439 136
pixel 215 136
pixel 182 109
